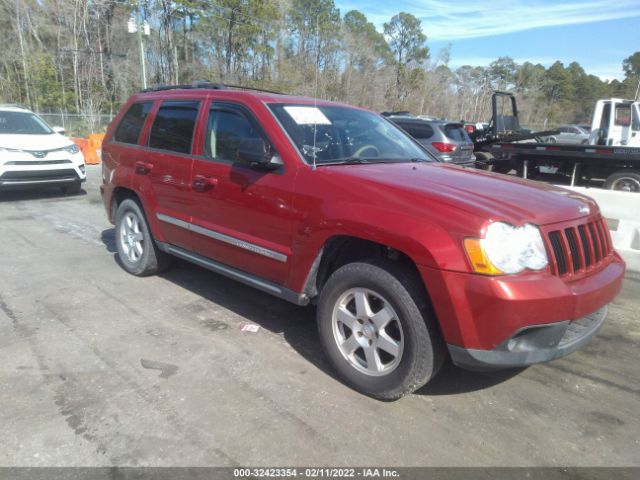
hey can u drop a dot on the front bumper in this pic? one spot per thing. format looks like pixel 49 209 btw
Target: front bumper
pixel 530 345
pixel 483 318
pixel 46 172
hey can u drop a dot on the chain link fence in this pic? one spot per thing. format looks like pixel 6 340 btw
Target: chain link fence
pixel 76 124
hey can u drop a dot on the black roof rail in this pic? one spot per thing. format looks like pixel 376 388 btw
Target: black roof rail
pixel 403 113
pixel 185 86
pixel 206 85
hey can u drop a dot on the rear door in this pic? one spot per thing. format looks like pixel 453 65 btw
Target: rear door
pixel 242 216
pixel 422 132
pixel 163 172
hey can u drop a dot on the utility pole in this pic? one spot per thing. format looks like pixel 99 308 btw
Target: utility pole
pixel 141 43
pixel 139 27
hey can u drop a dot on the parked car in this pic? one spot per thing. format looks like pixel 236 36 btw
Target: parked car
pixel 33 154
pixel 570 134
pixel 448 141
pixel 408 260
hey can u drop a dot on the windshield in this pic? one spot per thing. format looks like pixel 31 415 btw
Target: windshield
pixel 334 134
pixel 22 123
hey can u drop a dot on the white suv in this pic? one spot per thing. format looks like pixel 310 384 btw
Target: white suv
pixel 33 154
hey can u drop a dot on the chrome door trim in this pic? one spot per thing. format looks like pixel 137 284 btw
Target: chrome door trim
pixel 236 242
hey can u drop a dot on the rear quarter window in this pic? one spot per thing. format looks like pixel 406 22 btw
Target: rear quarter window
pixel 174 125
pixel 417 131
pixel 455 132
pixel 130 126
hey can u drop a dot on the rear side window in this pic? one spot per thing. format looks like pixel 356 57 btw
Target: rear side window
pixel 131 124
pixel 418 131
pixel 174 125
pixel 454 131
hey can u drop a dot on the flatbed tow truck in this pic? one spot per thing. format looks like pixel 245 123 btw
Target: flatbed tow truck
pixel 612 157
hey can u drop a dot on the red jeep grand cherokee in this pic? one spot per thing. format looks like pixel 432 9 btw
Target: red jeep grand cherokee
pixel 407 258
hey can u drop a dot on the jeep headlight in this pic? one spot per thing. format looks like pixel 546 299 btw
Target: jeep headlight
pixel 506 249
pixel 73 148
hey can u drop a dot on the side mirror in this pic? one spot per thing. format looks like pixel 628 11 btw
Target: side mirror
pixel 255 152
pixel 59 130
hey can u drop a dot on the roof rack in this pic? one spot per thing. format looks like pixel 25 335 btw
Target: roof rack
pixel 403 113
pixel 206 85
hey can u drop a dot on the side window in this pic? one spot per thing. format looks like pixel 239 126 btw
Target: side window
pixel 174 125
pixel 226 128
pixel 131 124
pixel 622 115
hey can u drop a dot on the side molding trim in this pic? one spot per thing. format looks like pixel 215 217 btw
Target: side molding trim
pixel 236 242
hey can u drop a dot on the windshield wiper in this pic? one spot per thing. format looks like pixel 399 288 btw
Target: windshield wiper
pixel 349 161
pixel 361 160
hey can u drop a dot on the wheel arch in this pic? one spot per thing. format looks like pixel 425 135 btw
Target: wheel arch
pixel 341 249
pixel 122 193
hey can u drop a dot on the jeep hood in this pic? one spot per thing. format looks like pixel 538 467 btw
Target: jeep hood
pixel 491 196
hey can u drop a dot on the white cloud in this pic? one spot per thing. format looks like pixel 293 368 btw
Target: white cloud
pixel 448 20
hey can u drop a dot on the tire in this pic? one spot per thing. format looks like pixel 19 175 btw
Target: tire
pixel 552 140
pixel 72 189
pixel 626 181
pixel 412 329
pixel 137 250
pixel 482 160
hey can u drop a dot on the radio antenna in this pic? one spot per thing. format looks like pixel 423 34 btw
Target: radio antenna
pixel 315 95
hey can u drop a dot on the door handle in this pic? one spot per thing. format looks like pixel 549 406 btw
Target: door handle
pixel 203 184
pixel 142 168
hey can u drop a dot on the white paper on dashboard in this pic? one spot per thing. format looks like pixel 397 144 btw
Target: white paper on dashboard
pixel 307 116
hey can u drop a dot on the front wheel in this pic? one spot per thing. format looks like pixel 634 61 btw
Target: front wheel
pixel 377 330
pixel 137 251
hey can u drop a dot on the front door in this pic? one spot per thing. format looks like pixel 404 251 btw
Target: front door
pixel 241 215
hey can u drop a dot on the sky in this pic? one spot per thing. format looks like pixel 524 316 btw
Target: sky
pixel 598 34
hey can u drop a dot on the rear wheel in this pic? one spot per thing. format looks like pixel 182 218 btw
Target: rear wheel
pixel 137 251
pixel 377 330
pixel 628 181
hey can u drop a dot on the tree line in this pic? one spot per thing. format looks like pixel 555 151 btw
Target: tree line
pixel 81 56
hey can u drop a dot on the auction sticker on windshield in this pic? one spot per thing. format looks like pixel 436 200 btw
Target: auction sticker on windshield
pixel 307 115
